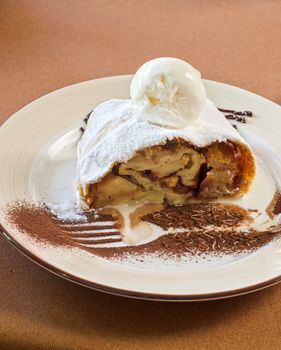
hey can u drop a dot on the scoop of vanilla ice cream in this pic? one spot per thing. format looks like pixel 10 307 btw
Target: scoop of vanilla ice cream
pixel 169 91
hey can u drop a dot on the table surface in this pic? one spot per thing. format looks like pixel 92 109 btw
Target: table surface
pixel 45 45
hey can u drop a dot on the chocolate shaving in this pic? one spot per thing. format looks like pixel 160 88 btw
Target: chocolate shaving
pixel 198 215
pixel 85 120
pixel 239 116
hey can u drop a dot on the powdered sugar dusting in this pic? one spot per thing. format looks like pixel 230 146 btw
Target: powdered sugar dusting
pixel 66 211
pixel 116 129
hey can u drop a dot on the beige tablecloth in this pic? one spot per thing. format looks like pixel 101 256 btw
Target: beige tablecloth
pixel 47 44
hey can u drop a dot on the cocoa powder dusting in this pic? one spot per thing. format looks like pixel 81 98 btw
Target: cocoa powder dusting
pixel 37 222
pixel 274 207
pixel 40 224
pixel 205 228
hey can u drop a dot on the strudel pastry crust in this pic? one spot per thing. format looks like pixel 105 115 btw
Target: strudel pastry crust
pixel 176 173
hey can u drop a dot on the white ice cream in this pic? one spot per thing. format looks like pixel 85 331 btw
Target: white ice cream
pixel 169 91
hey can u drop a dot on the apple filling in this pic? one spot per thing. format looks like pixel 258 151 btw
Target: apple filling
pixel 175 173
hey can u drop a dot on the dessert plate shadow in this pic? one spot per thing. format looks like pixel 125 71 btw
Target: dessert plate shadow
pixel 48 119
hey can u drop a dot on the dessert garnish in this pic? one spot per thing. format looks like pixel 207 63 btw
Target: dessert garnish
pixel 238 116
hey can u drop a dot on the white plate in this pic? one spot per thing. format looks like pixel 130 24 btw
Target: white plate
pixel 29 130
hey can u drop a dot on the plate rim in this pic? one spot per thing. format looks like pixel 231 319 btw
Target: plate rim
pixel 126 292
pixel 135 294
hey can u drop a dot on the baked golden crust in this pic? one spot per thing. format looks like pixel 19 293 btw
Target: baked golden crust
pixel 177 173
